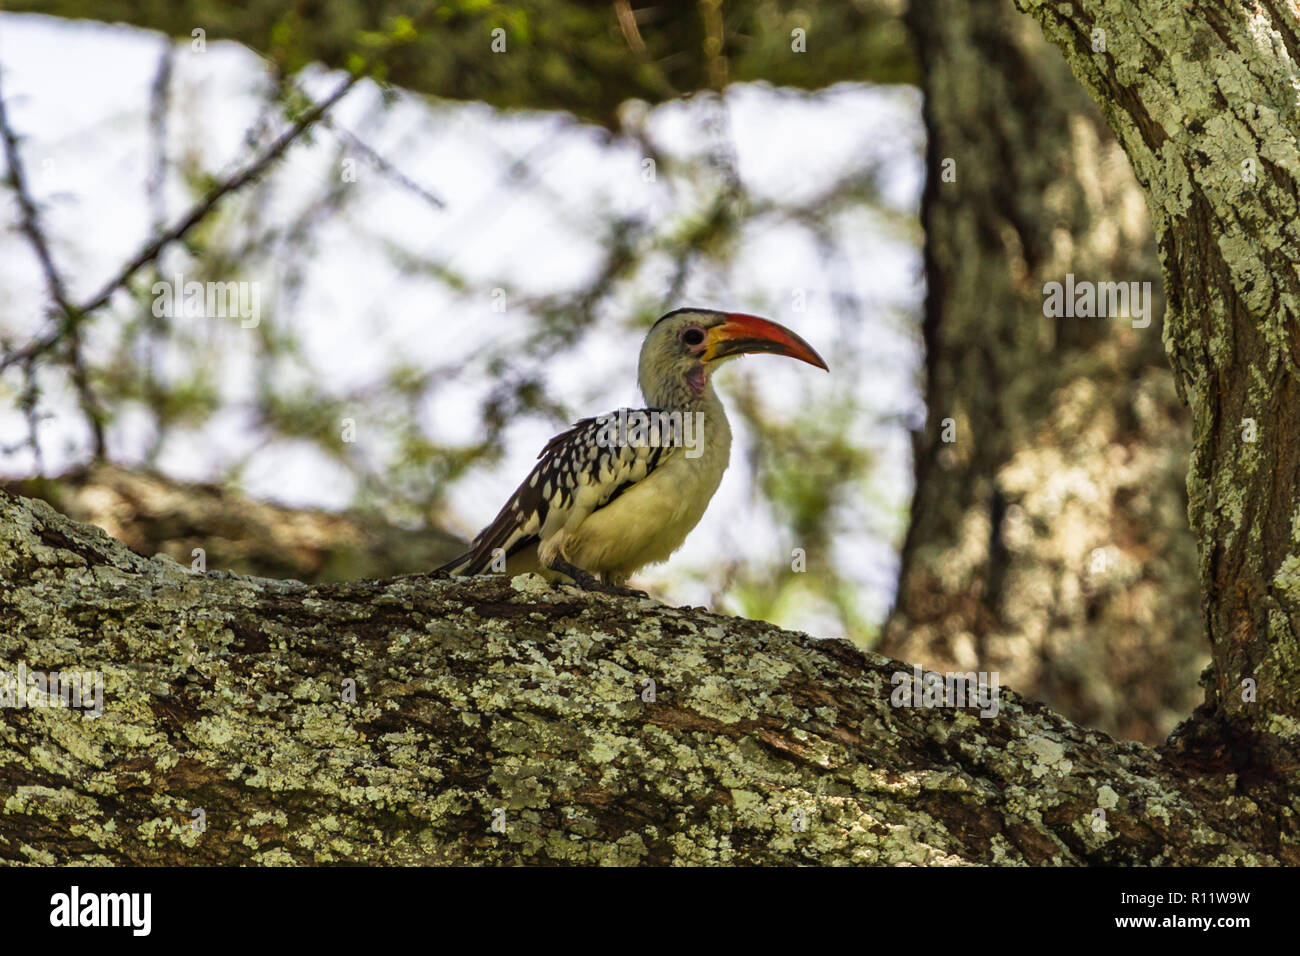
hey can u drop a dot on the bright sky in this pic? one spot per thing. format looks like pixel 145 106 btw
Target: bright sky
pixel 79 95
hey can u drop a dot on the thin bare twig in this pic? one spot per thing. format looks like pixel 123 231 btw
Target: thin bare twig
pixel 182 226
pixel 159 101
pixel 29 401
pixel 218 192
pixel 30 224
pixel 156 327
pixel 384 166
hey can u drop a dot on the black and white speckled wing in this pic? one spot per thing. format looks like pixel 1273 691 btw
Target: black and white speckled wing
pixel 578 472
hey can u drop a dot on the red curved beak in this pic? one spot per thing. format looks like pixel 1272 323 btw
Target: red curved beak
pixel 741 334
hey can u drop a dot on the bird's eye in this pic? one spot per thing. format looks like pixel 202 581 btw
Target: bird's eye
pixel 693 336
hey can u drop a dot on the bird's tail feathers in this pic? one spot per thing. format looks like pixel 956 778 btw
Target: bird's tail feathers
pixel 479 558
pixel 455 564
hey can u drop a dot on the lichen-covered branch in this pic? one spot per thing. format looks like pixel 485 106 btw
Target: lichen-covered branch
pixel 492 721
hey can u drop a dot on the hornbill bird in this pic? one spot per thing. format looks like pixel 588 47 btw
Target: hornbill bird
pixel 615 493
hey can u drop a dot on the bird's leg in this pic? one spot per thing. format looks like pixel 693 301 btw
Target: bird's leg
pixel 588 581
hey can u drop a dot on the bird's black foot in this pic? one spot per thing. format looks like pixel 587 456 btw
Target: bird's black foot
pixel 623 592
pixel 589 582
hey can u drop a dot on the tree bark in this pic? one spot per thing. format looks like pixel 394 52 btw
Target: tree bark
pixel 1049 537
pixel 1203 99
pixel 227 735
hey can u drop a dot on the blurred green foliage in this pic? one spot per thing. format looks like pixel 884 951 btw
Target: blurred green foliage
pixel 583 57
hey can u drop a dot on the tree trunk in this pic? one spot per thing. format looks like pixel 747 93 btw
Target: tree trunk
pixel 1049 537
pixel 505 722
pixel 1203 99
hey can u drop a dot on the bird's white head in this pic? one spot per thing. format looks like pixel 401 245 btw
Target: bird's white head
pixel 684 347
